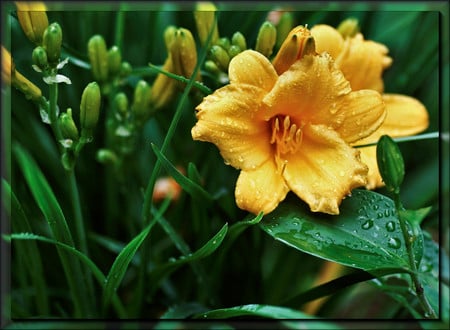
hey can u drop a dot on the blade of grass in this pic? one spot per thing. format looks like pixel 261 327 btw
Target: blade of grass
pixel 53 213
pixel 29 252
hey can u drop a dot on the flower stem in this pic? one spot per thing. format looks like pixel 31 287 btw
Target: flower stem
pixel 429 312
pixel 426 136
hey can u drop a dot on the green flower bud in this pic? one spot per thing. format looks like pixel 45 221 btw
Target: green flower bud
pixel 33 19
pixel 390 163
pixel 238 39
pixel 125 69
pixel 89 109
pixel 284 26
pixel 204 20
pixel 52 41
pixel 114 60
pixel 212 67
pixel 39 58
pixel 220 57
pixel 121 104
pixel 233 51
pixel 106 156
pixel 267 36
pixel 67 126
pixel 224 43
pixel 98 57
pixel 141 101
pixel 348 27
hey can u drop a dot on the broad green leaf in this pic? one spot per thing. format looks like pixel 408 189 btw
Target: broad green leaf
pixel 365 235
pixel 187 184
pixel 174 264
pixel 183 311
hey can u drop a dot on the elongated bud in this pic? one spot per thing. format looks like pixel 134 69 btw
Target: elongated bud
pixel 121 104
pixel 67 126
pixel 204 20
pixel 349 27
pixel 224 43
pixel 390 163
pixel 169 36
pixel 7 66
pixel 33 19
pixel 89 109
pixel 298 43
pixel 233 51
pixel 184 53
pixel 125 69
pixel 106 156
pixel 114 61
pixel 39 58
pixel 163 87
pixel 98 57
pixel 52 42
pixel 141 99
pixel 267 36
pixel 220 57
pixel 238 39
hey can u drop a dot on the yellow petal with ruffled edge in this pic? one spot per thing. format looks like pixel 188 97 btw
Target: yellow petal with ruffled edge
pixel 260 190
pixel 404 116
pixel 325 171
pixel 327 39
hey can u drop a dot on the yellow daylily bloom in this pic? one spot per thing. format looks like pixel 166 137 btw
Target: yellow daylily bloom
pixel 289 132
pixel 362 63
pixel 33 19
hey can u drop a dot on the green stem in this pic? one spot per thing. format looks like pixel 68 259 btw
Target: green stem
pixel 429 312
pixel 52 109
pixel 426 136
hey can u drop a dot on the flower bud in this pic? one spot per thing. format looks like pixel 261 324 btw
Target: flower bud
pixel 67 126
pixel 233 51
pixel 298 43
pixel 141 99
pixel 169 36
pixel 7 66
pixel 163 87
pixel 52 42
pixel 238 39
pixel 114 60
pixel 183 53
pixel 39 58
pixel 125 69
pixel 224 43
pixel 390 163
pixel 121 104
pixel 106 156
pixel 220 57
pixel 98 57
pixel 212 67
pixel 89 108
pixel 32 19
pixel 349 27
pixel 204 20
pixel 267 36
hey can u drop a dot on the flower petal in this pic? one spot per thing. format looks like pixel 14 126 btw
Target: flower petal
pixel 253 68
pixel 361 113
pixel 369 157
pixel 261 189
pixel 228 118
pixel 309 91
pixel 327 39
pixel 324 170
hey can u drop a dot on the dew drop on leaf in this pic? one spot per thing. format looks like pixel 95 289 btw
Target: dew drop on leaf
pixel 394 243
pixel 367 224
pixel 390 226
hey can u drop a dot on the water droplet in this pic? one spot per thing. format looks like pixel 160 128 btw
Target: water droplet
pixel 394 243
pixel 390 226
pixel 375 207
pixel 380 215
pixel 44 116
pixel 387 213
pixel 367 224
pixel 214 242
pixel 295 223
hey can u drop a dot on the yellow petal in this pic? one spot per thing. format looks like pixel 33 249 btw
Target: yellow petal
pixel 228 118
pixel 261 189
pixel 363 62
pixel 369 157
pixel 362 113
pixel 327 39
pixel 309 91
pixel 324 170
pixel 252 68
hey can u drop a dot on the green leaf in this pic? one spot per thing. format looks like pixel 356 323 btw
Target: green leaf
pixel 187 184
pixel 183 311
pixel 174 264
pixel 365 235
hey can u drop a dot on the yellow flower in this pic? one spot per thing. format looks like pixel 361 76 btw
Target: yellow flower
pixel 290 131
pixel 363 62
pixel 33 19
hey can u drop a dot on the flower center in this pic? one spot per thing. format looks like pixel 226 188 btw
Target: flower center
pixel 286 136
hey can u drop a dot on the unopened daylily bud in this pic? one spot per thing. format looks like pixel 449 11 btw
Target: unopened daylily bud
pixel 349 27
pixel 121 103
pixel 390 163
pixel 212 67
pixel 169 36
pixel 163 87
pixel 183 53
pixel 89 108
pixel 7 66
pixel 284 26
pixel 67 126
pixel 267 36
pixel 98 57
pixel 106 156
pixel 238 39
pixel 33 19
pixel 220 57
pixel 52 41
pixel 141 99
pixel 114 60
pixel 298 43
pixel 125 69
pixel 233 51
pixel 39 58
pixel 224 43
pixel 204 20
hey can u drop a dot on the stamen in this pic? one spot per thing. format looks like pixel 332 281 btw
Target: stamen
pixel 288 139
